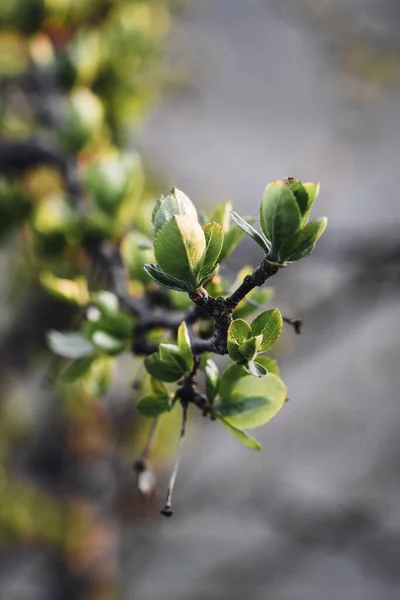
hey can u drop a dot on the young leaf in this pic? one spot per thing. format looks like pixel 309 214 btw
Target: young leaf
pixel 153 405
pixel 176 203
pixel 304 242
pixel 179 247
pixel 232 238
pixel 172 357
pixel 243 437
pixel 212 376
pixel 70 345
pixel 253 368
pixel 184 345
pixel 166 280
pixel 269 325
pixel 280 216
pixel 159 370
pixel 229 377
pixel 253 233
pixel 250 347
pixel 262 398
pixel 239 331
pixel 221 215
pixel 214 240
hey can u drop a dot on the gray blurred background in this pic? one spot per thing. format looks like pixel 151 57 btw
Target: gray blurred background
pixel 309 89
pixel 269 89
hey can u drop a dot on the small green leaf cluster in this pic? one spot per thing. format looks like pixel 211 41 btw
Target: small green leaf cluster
pixel 286 236
pixel 106 332
pixel 171 362
pixel 246 341
pixel 186 253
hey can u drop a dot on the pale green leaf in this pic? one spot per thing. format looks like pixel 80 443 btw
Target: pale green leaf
pixel 184 345
pixel 153 405
pixel 173 358
pixel 221 215
pixel 239 331
pixel 243 437
pixel 266 394
pixel 179 247
pixel 159 370
pixel 232 238
pixel 250 347
pixel 176 203
pixel 229 377
pixel 304 242
pixel 108 343
pixel 212 378
pixel 70 345
pixel 214 240
pixel 269 325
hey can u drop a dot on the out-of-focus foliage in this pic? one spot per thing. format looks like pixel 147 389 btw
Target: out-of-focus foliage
pixel 75 75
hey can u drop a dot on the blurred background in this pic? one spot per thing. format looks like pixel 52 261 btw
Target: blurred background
pixel 218 98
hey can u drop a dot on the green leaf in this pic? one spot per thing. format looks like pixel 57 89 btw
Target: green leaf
pixel 214 240
pixel 280 216
pixel 253 233
pixel 232 238
pixel 160 370
pixel 179 247
pixel 172 357
pixel 268 363
pixel 108 343
pixel 312 190
pixel 184 345
pixel 250 347
pixel 304 242
pixel 243 437
pixel 165 280
pixel 253 368
pixel 176 203
pixel 229 377
pixel 239 331
pixel 153 405
pixel 70 345
pixel 206 276
pixel 221 215
pixel 211 372
pixel 269 325
pixel 258 399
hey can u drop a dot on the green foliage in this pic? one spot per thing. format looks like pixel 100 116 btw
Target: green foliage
pixel 86 221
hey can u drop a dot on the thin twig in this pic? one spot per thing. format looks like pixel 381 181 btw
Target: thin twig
pixel 167 510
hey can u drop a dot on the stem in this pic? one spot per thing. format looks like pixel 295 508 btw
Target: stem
pixel 167 510
pixel 150 439
pixel 256 279
pixel 297 324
